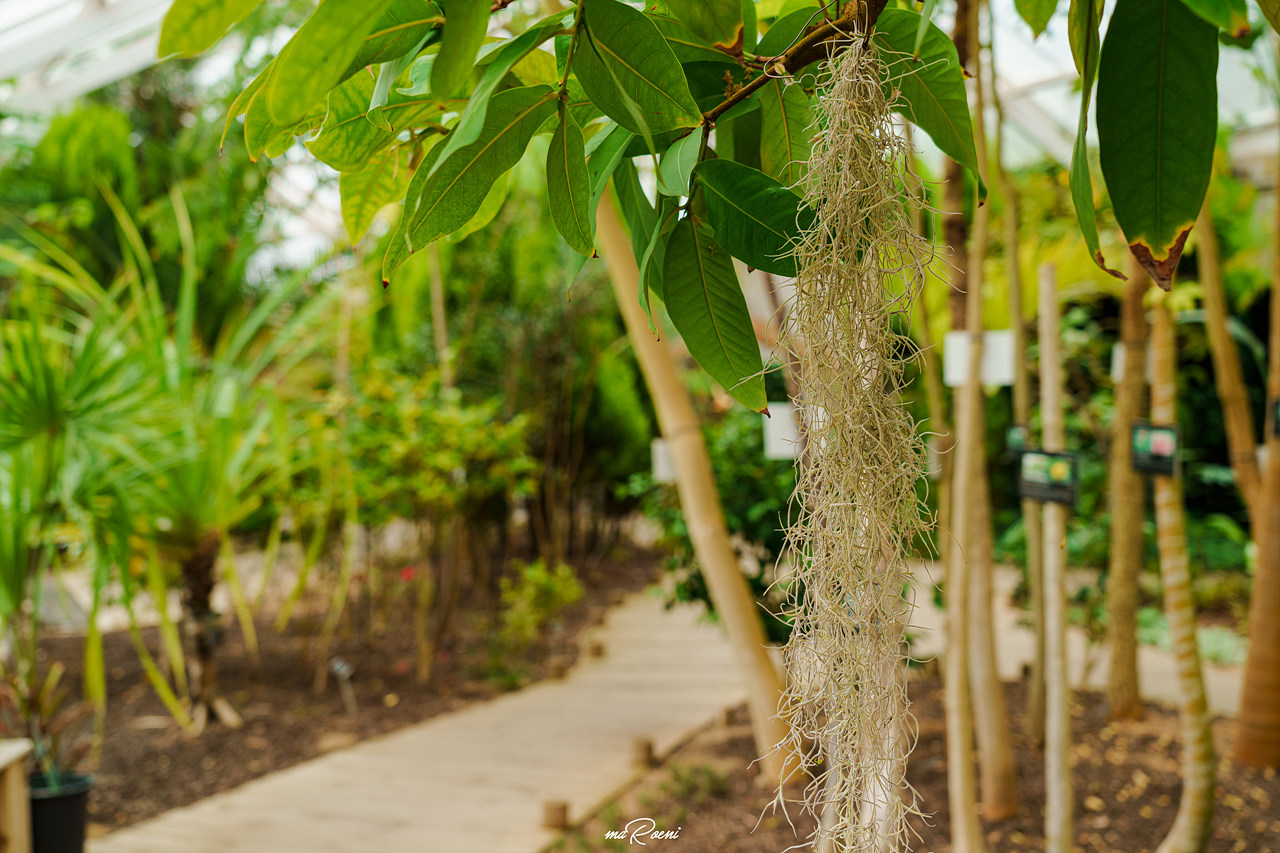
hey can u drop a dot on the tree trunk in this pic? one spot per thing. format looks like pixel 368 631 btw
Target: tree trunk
pixel 699 499
pixel 1227 375
pixel 198 579
pixel 1258 735
pixel 1127 496
pixel 1058 818
pixel 1190 832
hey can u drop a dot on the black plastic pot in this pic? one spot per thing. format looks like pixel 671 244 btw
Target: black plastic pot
pixel 59 818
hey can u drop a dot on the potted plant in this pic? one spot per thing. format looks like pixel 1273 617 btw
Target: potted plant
pixel 36 707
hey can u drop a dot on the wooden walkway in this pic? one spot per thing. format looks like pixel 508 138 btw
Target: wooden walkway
pixel 474 781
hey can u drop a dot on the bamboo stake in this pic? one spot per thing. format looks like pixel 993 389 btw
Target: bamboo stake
pixel 698 498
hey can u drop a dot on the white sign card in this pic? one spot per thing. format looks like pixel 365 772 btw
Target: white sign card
pixel 997 358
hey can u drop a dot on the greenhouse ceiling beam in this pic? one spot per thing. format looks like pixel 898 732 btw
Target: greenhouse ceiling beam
pixel 33 48
pixel 36 93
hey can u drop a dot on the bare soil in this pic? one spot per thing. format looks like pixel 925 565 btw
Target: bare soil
pixel 149 765
pixel 1126 777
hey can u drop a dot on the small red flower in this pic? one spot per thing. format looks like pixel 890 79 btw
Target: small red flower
pixel 408 573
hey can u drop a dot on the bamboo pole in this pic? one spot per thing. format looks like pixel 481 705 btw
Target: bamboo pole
pixel 1058 817
pixel 699 499
pixel 998 771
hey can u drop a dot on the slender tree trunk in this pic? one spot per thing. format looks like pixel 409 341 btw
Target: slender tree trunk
pixel 1127 497
pixel 1058 819
pixel 999 772
pixel 1258 735
pixel 966 831
pixel 1190 832
pixel 1227 374
pixel 1031 521
pixel 699 499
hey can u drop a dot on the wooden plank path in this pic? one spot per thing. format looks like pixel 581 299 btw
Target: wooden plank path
pixel 474 781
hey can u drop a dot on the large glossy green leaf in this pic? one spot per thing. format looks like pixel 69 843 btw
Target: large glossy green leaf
pixel 717 22
pixel 1082 32
pixel 1157 125
pixel 787 30
pixel 1231 16
pixel 317 57
pixel 786 113
pixel 194 26
pixel 676 166
pixel 454 190
pixel 625 65
pixel 569 187
pixel 347 139
pixel 1036 13
pixel 366 191
pixel 604 152
pixel 755 218
pixel 465 23
pixel 706 305
pixel 684 44
pixel 504 59
pixel 931 85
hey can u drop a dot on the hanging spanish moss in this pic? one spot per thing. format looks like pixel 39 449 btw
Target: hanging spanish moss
pixel 856 508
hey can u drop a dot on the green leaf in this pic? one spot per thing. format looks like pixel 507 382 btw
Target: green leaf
pixel 755 218
pixel 750 26
pixel 241 103
pixel 931 85
pixel 706 305
pixel 604 152
pixel 403 25
pixel 1036 13
pixel 454 190
pixel 504 59
pixel 1082 32
pixel 465 23
pixel 655 254
pixel 262 134
pixel 316 58
pixel 193 26
pixel 922 29
pixel 1157 125
pixel 1230 16
pixel 676 166
pixel 716 22
pixel 686 46
pixel 569 187
pixel 622 60
pixel 366 191
pixel 398 248
pixel 347 139
pixel 785 140
pixel 787 30
pixel 488 210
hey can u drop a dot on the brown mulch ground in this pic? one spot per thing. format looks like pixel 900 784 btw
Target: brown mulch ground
pixel 148 765
pixel 1126 776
